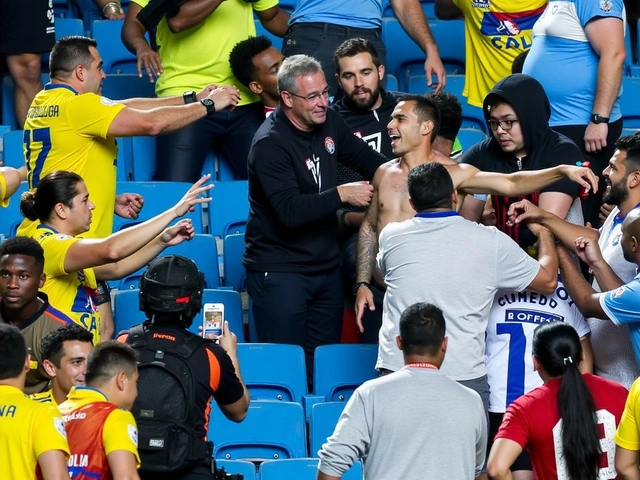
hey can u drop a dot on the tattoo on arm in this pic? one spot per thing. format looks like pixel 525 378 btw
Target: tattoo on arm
pixel 368 242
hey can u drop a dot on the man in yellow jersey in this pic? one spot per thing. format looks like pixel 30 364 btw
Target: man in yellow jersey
pixel 194 44
pixel 71 127
pixel 496 32
pixel 24 307
pixel 628 436
pixel 10 179
pixel 64 358
pixel 33 441
pixel 103 437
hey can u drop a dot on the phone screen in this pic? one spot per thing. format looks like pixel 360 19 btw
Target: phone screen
pixel 213 323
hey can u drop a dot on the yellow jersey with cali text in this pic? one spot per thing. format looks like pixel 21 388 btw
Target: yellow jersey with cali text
pixel 628 433
pixel 27 430
pixel 496 32
pixel 73 293
pixel 65 130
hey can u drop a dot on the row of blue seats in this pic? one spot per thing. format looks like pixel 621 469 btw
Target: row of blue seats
pixel 284 469
pixel 226 213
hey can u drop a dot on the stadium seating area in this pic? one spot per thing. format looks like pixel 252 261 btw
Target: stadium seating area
pixel 286 424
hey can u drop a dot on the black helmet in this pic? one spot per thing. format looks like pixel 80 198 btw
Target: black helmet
pixel 172 284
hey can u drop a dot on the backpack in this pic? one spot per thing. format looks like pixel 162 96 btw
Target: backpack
pixel 167 441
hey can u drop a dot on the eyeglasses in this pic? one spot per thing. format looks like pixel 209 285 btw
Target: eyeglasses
pixel 313 97
pixel 505 125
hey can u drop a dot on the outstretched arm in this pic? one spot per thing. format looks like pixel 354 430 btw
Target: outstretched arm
pixel 472 180
pixel 584 296
pixel 366 260
pixel 11 178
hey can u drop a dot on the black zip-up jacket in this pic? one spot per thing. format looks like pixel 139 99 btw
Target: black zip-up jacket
pixel 293 198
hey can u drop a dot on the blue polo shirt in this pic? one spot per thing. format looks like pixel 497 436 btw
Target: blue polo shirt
pixel 622 306
pixel 352 13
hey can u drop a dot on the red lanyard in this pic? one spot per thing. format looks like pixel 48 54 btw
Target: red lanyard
pixel 427 366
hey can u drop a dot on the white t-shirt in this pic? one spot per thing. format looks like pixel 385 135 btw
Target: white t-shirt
pixel 613 356
pixel 513 318
pixel 456 265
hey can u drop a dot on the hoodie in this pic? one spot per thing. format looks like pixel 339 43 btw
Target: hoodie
pixel 544 146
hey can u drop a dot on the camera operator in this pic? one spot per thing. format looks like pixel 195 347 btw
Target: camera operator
pixel 180 373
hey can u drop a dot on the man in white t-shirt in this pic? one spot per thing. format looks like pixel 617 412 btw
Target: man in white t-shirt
pixel 613 355
pixel 440 258
pixel 512 320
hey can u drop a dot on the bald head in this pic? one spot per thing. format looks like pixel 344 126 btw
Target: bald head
pixel 630 240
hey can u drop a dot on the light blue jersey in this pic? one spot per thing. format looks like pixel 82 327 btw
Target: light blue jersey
pixel 622 306
pixel 352 13
pixel 563 61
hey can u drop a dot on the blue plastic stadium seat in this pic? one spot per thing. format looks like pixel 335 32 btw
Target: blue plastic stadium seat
pixel 229 208
pixel 392 83
pixel 10 217
pixel 630 102
pixel 201 249
pixel 405 58
pixel 116 57
pixel 143 155
pixel 234 271
pixel 260 30
pixel 629 131
pixel 247 469
pixel 323 420
pixel 123 86
pixel 8 102
pixel 271 430
pixel 340 369
pixel 158 197
pixel 13 154
pixel 469 137
pixel 127 310
pixel 301 469
pixel 273 371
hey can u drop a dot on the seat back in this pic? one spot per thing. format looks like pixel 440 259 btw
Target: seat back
pixel 201 249
pixel 158 197
pixel 273 371
pixel 13 152
pixel 271 430
pixel 340 369
pixel 229 208
pixel 630 102
pixel 123 86
pixel 127 310
pixel 116 57
pixel 10 217
pixel 322 423
pixel 469 137
pixel 234 271
pixel 472 116
pixel 301 469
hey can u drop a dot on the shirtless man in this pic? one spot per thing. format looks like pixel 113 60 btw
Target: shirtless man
pixel 410 129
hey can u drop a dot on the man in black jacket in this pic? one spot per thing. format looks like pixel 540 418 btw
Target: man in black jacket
pixel 292 255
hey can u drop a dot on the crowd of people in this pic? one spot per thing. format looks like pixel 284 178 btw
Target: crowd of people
pixel 499 280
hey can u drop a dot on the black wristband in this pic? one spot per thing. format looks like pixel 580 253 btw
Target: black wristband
pixel 360 284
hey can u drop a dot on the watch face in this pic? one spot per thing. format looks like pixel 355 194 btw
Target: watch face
pixel 207 101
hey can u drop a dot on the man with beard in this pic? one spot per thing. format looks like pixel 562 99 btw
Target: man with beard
pixel 366 108
pixel 612 349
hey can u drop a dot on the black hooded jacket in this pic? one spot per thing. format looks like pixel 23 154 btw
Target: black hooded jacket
pixel 545 147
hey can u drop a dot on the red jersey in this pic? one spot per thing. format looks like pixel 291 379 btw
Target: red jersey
pixel 533 421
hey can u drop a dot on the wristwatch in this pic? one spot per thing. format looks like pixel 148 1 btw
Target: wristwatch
pixel 189 97
pixel 209 105
pixel 597 118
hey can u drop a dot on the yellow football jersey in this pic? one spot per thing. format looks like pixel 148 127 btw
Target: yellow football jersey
pixel 3 191
pixel 188 66
pixel 44 397
pixel 27 430
pixel 496 32
pixel 73 293
pixel 628 434
pixel 68 131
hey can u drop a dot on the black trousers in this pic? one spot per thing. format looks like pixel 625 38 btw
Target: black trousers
pixel 297 309
pixel 320 40
pixel 599 161
pixel 180 155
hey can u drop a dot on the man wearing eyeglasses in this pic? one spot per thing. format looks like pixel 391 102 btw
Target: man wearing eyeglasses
pixel 517 111
pixel 292 255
